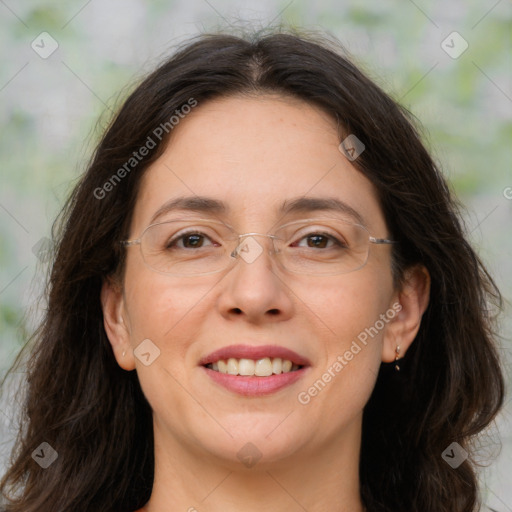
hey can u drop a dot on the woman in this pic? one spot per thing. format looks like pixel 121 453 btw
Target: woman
pixel 262 299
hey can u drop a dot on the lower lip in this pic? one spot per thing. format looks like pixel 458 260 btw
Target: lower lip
pixel 255 386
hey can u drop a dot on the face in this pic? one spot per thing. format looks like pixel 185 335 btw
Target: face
pixel 254 154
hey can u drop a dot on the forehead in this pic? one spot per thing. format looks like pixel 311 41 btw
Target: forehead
pixel 255 154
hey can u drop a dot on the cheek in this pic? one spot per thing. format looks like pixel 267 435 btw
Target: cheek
pixel 349 308
pixel 342 382
pixel 170 314
pixel 164 310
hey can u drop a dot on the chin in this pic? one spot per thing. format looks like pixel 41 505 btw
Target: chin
pixel 254 441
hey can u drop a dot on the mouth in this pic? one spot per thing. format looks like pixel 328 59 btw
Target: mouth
pixel 254 370
pixel 263 367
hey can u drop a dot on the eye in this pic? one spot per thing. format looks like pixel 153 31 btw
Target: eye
pixel 190 240
pixel 320 241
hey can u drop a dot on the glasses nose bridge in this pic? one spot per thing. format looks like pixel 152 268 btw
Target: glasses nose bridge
pixel 240 245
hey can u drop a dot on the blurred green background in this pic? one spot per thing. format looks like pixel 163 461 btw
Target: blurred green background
pixel 54 109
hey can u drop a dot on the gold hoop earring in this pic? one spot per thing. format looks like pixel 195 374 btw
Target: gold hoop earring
pixel 397 357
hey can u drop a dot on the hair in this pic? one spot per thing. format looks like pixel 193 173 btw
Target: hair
pixel 94 414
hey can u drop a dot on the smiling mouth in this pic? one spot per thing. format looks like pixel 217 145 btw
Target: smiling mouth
pixel 264 367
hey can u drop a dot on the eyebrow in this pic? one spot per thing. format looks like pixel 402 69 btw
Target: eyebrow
pixel 199 204
pixel 305 205
pixel 314 204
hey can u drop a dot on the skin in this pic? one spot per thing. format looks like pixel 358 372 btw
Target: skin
pixel 258 151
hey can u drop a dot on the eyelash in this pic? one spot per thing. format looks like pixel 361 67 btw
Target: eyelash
pixel 330 237
pixel 172 243
pixel 181 236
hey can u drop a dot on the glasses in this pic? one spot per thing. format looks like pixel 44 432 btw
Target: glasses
pixel 317 247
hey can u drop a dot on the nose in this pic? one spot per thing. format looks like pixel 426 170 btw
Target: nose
pixel 254 288
pixel 248 244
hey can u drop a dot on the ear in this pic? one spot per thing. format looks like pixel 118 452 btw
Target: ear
pixel 115 323
pixel 410 302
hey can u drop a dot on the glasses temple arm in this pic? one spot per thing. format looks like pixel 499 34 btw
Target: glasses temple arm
pixel 127 243
pixel 374 240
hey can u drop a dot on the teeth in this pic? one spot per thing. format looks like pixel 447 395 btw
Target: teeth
pixel 249 367
pixel 263 367
pixel 277 365
pixel 246 367
pixel 232 366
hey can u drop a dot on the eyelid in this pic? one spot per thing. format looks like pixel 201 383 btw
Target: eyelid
pixel 300 223
pixel 326 218
pixel 317 224
pixel 201 230
pixel 191 223
pixel 336 238
pixel 180 237
pixel 312 229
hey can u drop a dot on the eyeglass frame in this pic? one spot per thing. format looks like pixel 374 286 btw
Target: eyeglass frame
pixel 235 253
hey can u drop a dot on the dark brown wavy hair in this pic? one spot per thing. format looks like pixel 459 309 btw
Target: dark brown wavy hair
pixel 95 415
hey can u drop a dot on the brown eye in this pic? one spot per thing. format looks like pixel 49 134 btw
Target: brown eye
pixel 319 241
pixel 191 240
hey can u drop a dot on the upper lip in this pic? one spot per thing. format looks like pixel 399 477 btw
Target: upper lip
pixel 254 352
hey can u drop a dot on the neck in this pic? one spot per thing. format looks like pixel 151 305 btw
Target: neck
pixel 323 477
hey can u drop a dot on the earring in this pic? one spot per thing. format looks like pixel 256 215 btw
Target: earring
pixel 124 353
pixel 397 357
